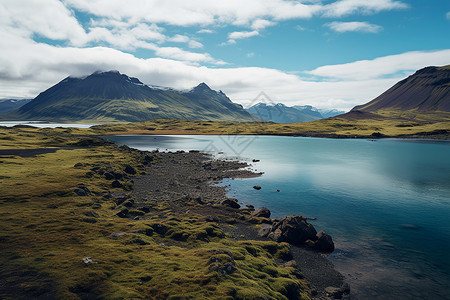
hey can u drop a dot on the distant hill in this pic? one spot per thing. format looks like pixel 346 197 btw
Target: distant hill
pixel 280 113
pixel 11 104
pixel 111 96
pixel 321 112
pixel 426 92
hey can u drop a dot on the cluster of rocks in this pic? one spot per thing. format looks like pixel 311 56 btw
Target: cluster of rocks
pixel 294 230
pixel 110 174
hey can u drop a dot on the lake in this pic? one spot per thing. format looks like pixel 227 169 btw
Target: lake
pixel 386 203
pixel 44 124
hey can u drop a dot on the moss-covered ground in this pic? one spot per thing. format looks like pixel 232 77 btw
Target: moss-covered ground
pixel 60 237
pixel 387 123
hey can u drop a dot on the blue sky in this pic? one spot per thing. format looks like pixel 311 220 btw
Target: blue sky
pixel 330 54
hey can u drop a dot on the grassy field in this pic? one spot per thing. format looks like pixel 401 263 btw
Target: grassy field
pixel 55 212
pixel 387 123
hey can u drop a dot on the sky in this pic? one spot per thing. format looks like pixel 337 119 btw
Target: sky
pixel 325 53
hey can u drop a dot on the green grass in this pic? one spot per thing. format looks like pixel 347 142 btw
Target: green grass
pixel 389 123
pixel 47 230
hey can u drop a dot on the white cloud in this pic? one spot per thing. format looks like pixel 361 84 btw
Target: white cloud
pixel 237 35
pixel 46 18
pixel 242 34
pixel 251 54
pixel 178 38
pixel 195 44
pixel 209 31
pixel 384 66
pixel 448 15
pixel 27 68
pixel 261 24
pixel 348 7
pixel 202 12
pixel 234 12
pixel 354 27
pixel 180 54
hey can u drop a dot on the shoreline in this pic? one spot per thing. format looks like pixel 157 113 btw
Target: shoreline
pixel 170 181
pixel 431 136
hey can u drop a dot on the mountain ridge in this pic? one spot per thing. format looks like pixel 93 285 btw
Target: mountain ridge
pixel 112 96
pixel 280 113
pixel 426 90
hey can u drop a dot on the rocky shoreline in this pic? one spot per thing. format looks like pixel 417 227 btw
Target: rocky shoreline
pixel 186 182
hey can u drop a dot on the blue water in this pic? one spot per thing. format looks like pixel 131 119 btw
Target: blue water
pixel 385 202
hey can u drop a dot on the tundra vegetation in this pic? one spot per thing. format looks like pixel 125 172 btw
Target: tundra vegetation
pixel 61 236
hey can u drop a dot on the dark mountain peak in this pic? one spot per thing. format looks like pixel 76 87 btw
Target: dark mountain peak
pixel 428 89
pixel 427 70
pixel 112 96
pixel 202 87
pixel 112 75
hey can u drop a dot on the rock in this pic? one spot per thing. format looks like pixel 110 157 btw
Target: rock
pixel 80 192
pixel 145 209
pixel 117 175
pixel 91 214
pixel 377 135
pixel 116 184
pixel 265 230
pixel 409 226
pixel 130 170
pixel 146 278
pixel 117 234
pixel 138 241
pixel 250 207
pixel 231 203
pixel 160 228
pixel 255 160
pixel 290 264
pixel 262 213
pixel 108 176
pixel 88 260
pixel 337 293
pixel 324 242
pixel 199 200
pixel 293 230
pixel 123 213
pixel 78 165
pixel 222 262
pixel 257 187
pixel 128 203
pixel 333 292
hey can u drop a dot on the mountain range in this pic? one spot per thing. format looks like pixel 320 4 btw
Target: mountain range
pixel 111 96
pixel 11 104
pixel 280 113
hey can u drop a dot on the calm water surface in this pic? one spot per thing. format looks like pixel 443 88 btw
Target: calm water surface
pixel 43 124
pixel 385 202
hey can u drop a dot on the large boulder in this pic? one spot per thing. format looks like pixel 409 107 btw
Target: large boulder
pixel 296 231
pixel 261 213
pixel 324 242
pixel 293 230
pixel 230 203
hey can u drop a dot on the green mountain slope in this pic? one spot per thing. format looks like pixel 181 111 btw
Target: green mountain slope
pixel 111 96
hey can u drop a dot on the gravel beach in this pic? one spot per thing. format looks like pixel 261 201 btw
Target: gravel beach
pixel 180 178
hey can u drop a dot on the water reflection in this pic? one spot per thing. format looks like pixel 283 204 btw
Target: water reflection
pixel 386 203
